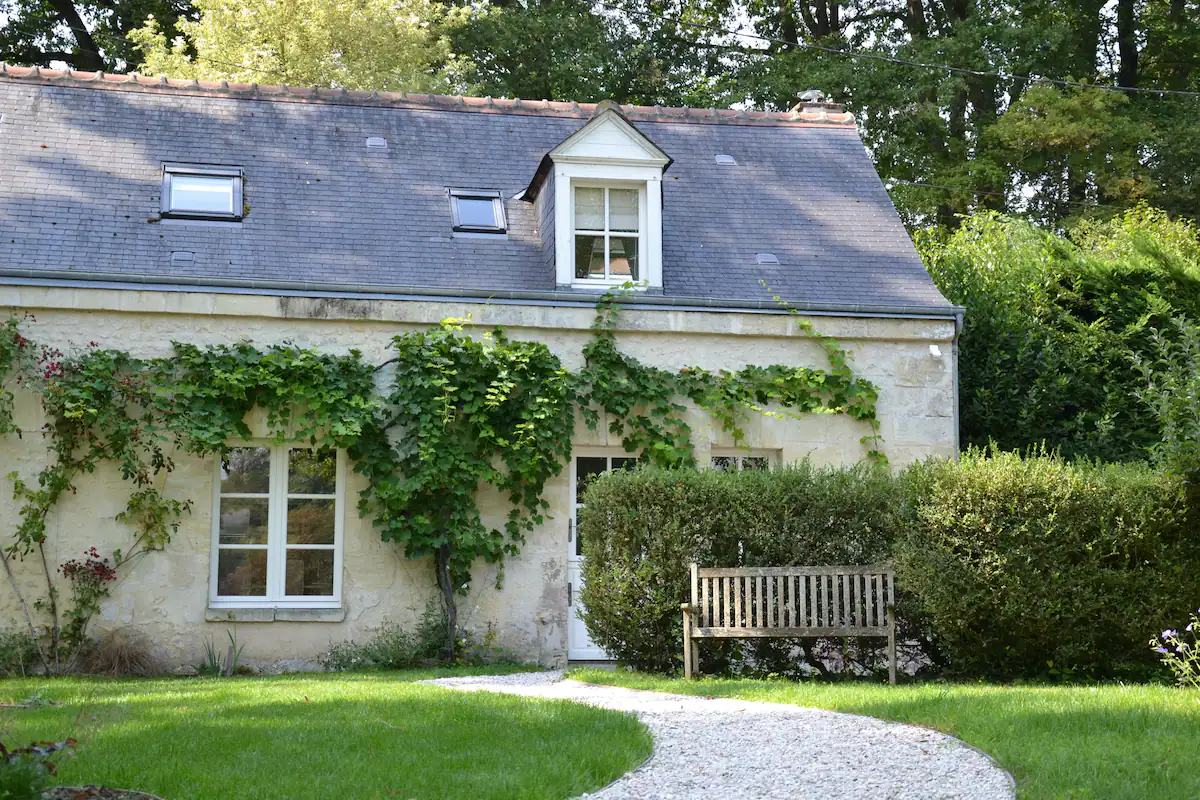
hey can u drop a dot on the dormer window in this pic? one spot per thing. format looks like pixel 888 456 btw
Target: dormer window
pixel 608 238
pixel 477 211
pixel 599 200
pixel 201 192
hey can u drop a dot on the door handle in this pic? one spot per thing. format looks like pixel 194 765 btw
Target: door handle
pixel 570 601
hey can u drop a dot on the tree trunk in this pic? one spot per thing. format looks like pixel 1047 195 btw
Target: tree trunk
pixel 445 582
pixel 87 54
pixel 1127 43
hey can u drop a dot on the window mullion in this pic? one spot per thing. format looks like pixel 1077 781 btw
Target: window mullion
pixel 277 530
pixel 607 240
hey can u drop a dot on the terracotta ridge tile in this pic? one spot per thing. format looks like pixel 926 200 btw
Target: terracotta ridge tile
pixel 809 114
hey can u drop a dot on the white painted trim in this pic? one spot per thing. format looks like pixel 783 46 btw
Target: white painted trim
pixel 277 534
pixel 654 154
pixel 566 177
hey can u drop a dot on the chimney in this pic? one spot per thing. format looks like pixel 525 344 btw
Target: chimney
pixel 815 100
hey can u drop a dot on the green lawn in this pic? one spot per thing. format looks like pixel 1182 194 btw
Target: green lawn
pixel 324 736
pixel 1103 742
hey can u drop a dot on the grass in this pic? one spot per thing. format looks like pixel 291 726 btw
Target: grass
pixel 1104 742
pixel 376 735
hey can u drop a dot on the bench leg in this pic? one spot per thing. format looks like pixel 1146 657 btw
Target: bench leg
pixel 687 644
pixel 892 647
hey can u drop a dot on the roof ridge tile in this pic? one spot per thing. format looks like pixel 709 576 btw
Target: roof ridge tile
pixel 822 115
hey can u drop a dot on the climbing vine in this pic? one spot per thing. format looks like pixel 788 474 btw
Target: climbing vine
pixel 457 411
pixel 642 402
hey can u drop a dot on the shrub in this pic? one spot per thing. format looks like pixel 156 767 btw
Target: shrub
pixel 18 653
pixel 1028 567
pixel 642 530
pixel 1007 567
pixel 27 771
pixel 121 653
pixel 393 647
pixel 1051 323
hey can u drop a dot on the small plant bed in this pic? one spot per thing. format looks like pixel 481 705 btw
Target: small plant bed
pixel 94 793
pixel 320 736
pixel 1117 742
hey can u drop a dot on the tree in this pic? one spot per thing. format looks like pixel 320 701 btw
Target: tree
pixel 353 44
pixel 85 34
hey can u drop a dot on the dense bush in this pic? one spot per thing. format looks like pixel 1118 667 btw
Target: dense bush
pixel 1052 323
pixel 642 530
pixel 1007 567
pixel 1025 567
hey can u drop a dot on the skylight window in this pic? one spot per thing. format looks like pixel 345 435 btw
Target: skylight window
pixel 477 211
pixel 202 192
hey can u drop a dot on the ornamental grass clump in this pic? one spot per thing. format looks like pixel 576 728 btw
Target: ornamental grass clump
pixel 1180 652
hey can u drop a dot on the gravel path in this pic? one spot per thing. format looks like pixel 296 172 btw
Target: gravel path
pixel 743 749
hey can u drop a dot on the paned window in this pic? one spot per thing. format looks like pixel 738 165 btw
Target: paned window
pixel 739 462
pixel 608 233
pixel 277 532
pixel 587 469
pixel 196 192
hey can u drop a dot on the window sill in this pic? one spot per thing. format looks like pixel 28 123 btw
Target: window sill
pixel 272 614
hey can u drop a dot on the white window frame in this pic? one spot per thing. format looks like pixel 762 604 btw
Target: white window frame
pixel 772 456
pixel 234 174
pixel 648 182
pixel 608 233
pixel 277 545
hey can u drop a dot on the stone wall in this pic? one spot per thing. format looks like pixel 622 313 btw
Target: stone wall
pixel 165 595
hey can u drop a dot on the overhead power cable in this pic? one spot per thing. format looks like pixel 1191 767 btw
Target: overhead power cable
pixel 889 183
pixel 856 54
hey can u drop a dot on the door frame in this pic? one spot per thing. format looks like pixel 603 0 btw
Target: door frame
pixel 574 560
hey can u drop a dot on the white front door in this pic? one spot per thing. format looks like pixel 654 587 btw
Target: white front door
pixel 586 464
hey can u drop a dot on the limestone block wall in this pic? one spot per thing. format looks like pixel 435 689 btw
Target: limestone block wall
pixel 165 596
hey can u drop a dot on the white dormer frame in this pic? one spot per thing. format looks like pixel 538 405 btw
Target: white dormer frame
pixel 608 151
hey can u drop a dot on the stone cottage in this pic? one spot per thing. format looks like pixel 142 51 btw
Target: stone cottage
pixel 137 211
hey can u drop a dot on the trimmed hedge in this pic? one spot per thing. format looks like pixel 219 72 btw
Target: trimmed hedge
pixel 1007 567
pixel 641 531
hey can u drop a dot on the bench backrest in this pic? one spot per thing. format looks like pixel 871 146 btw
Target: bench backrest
pixel 792 601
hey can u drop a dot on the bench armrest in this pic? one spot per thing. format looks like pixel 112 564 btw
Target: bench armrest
pixel 685 607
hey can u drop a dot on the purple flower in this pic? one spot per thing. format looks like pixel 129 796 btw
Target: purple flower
pixel 1162 650
pixel 1190 626
pixel 1179 648
pixel 1170 633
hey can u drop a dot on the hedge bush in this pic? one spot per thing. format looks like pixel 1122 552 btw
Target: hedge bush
pixel 1007 567
pixel 1034 567
pixel 642 530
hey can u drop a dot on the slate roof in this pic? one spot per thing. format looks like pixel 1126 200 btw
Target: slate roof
pixel 80 179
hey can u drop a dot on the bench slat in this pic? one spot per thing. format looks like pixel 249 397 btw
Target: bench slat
pixel 849 569
pixel 755 633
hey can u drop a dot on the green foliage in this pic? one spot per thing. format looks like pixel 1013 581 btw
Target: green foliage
pixel 1172 393
pixel 18 653
pixel 1180 652
pixel 1050 325
pixel 1007 567
pixel 1024 567
pixel 642 530
pixel 643 405
pixel 26 772
pixel 391 646
pixel 460 413
pixel 219 661
pixel 16 352
pixel 368 44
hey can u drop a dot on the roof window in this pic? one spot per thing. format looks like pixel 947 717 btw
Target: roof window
pixel 477 211
pixel 201 192
pixel 725 160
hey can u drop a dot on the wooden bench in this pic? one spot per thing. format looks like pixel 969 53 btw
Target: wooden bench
pixel 784 602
